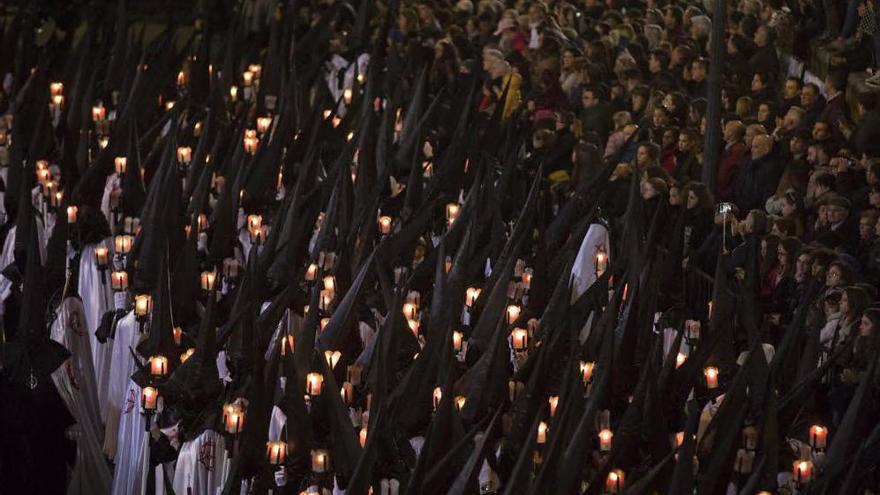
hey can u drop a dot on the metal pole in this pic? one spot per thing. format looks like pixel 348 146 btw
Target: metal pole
pixel 712 143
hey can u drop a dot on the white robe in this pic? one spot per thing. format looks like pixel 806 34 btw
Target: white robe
pixel 118 386
pixel 200 464
pixel 131 427
pixel 97 299
pixel 75 382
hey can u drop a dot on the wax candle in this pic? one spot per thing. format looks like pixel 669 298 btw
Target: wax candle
pixel 276 451
pixel 332 358
pixel 459 402
pixel 680 359
pixel 311 272
pixel 99 113
pixel 512 313
pixel 143 305
pixel 711 374
pixel 149 398
pixel 452 210
pixel 330 284
pixel 233 418
pixel 71 214
pixel 158 365
pixel 207 280
pixel 471 296
pixel 553 401
pixel 519 339
pixel 457 339
pixel 263 124
pixel 102 256
pixel 184 154
pixel 542 433
pixel 601 263
pixel 119 164
pixel 385 224
pixel 587 370
pixel 437 396
pixel 187 354
pixel 177 332
pixel 605 438
pixel 818 437
pixel 320 460
pixel 119 281
pixel 347 95
pixel 410 310
pixel 803 471
pixel 314 382
pixel 362 436
pixel 346 392
pixel 614 481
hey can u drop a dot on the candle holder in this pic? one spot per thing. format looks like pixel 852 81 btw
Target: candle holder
pixel 614 483
pixel 102 262
pixel 276 452
pixel 606 436
pixel 143 306
pixel 601 262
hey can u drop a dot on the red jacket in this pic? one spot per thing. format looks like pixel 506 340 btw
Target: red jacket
pixel 731 157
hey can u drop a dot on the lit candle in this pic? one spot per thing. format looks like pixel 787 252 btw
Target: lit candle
pixel 457 340
pixel 178 335
pixel 181 78
pixel 410 310
pixel 553 401
pixel 711 374
pixel 614 482
pixel 324 322
pixel 202 222
pixel 679 439
pixel 184 154
pixel 320 460
pixel 452 210
pixel 256 70
pixel 276 451
pixel 527 278
pixel 71 214
pixel 56 199
pixel 362 436
pixel 102 257
pixel 448 263
pixel 99 113
pixel 169 105
pixel 385 224
pixel 326 114
pixel 119 163
pixel 330 284
pixel 43 175
pixel 311 272
pixel 103 141
pixel 158 366
pixel 512 313
pixel 336 121
pixel 803 471
pixel 587 371
pixel 119 281
pixel 207 280
pixel 233 418
pixel 459 402
pixel 56 88
pixel 122 243
pixel 326 299
pixel 187 354
pixel 263 124
pixel 601 263
pixel 57 102
pixel 346 95
pixel 818 437
pixel 346 392
pixel 332 358
pixel 437 396
pixel 233 93
pixel 314 382
pixel 413 326
pixel 247 78
pixel 250 145
pixel 149 398
pixel 542 432
pixel 143 305
pixel 680 359
pixel 471 296
pixel 519 339
pixel 605 438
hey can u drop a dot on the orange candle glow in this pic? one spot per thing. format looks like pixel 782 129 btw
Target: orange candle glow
pixel 437 396
pixel 605 438
pixel 314 382
pixel 457 340
pixel 119 164
pixel 102 256
pixel 553 401
pixel 512 313
pixel 184 154
pixel 452 211
pixel 207 280
pixel 122 243
pixel 178 335
pixel 276 451
pixel 71 214
pixel 263 124
pixel 385 224
pixel 233 418
pixel 99 113
pixel 711 374
pixel 332 358
pixel 119 281
pixel 519 339
pixel 818 436
pixel 320 461
pixel 149 399
pixel 542 432
pixel 587 371
pixel 614 482
pixel 362 436
pixel 158 366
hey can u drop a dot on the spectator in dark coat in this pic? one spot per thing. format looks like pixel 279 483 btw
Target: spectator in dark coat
pixel 867 134
pixel 731 158
pixel 758 176
pixel 596 113
pixel 765 60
